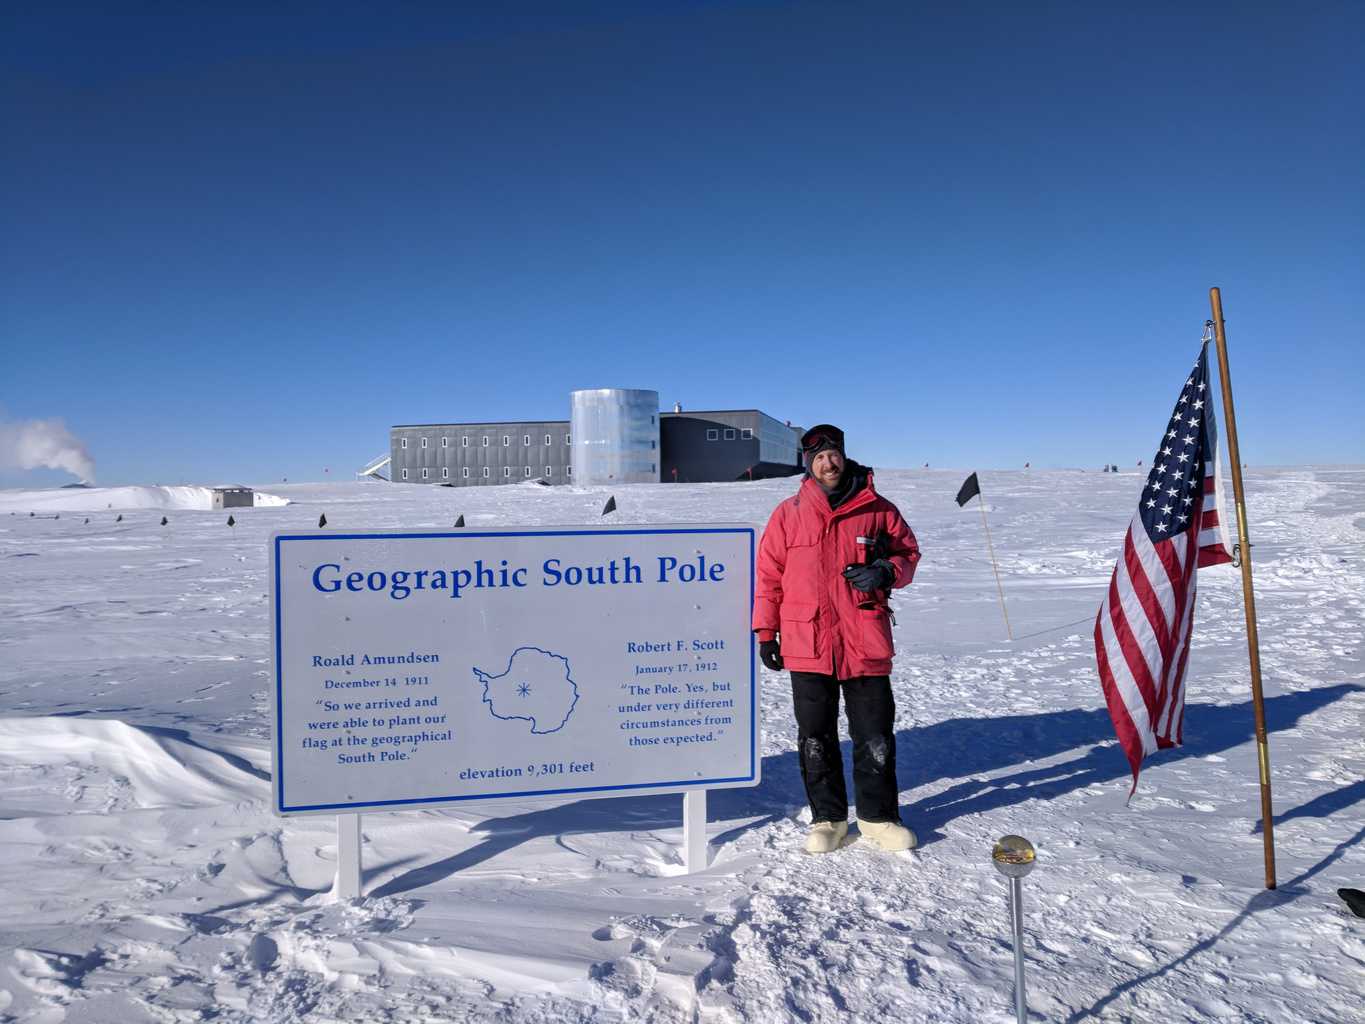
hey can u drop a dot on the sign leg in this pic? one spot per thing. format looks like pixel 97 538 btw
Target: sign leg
pixel 347 885
pixel 694 830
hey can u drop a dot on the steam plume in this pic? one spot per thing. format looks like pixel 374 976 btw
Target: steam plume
pixel 35 444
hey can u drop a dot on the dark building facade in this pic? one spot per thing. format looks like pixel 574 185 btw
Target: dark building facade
pixel 715 445
pixel 726 444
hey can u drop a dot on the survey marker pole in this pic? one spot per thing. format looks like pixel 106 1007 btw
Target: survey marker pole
pixel 1243 551
pixel 347 885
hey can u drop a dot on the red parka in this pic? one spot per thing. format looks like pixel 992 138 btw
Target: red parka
pixel 801 589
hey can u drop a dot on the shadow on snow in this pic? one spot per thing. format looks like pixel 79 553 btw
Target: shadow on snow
pixel 956 748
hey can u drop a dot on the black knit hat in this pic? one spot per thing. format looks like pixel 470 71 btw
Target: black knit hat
pixel 819 438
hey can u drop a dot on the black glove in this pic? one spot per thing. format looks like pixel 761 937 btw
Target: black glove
pixel 770 654
pixel 876 575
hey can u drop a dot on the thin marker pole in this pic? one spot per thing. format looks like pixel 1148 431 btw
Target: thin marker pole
pixel 1248 597
pixel 1017 926
pixel 981 500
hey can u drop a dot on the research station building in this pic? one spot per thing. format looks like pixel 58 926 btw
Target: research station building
pixel 613 435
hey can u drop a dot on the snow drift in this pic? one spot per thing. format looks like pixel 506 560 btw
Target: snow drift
pixel 108 765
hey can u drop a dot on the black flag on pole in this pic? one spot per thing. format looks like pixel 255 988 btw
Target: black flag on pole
pixel 970 488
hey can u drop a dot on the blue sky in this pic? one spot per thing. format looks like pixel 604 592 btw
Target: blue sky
pixel 239 246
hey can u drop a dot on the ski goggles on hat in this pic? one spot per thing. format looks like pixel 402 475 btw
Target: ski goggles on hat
pixel 823 436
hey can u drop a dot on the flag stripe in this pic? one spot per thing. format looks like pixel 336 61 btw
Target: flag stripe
pixel 1154 569
pixel 1176 672
pixel 1142 593
pixel 1131 647
pixel 1122 685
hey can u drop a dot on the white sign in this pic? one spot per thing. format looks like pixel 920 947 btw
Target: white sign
pixel 416 668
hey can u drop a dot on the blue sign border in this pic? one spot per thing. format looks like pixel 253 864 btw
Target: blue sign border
pixel 675 786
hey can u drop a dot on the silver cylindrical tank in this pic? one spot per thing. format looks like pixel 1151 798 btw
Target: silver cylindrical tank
pixel 615 436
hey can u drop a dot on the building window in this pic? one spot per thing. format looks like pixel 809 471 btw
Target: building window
pixel 485 472
pixel 506 472
pixel 712 434
pixel 525 439
pixel 568 471
pixel 464 442
pixel 465 472
pixel 405 474
pixel 547 470
pixel 729 433
pixel 445 442
pixel 747 434
pixel 445 472
pixel 403 443
pixel 653 445
pixel 506 440
pixel 485 440
pixel 547 438
pixel 653 468
pixel 424 474
pixel 567 439
pixel 651 421
pixel 528 471
pixel 424 442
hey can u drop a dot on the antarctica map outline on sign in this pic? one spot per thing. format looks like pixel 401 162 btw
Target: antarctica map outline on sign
pixel 580 680
pixel 535 681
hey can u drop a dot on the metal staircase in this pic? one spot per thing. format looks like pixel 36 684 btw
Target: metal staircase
pixel 373 468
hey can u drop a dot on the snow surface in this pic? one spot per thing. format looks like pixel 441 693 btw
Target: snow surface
pixel 145 879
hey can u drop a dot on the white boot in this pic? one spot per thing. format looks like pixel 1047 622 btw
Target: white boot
pixel 826 836
pixel 889 835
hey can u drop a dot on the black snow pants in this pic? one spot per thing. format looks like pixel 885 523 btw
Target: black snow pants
pixel 871 711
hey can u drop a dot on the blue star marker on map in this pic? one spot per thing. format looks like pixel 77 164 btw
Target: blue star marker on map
pixel 536 687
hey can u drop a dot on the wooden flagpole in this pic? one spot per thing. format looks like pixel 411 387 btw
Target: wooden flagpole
pixel 981 500
pixel 1248 597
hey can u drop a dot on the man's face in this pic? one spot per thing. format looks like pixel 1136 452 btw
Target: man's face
pixel 827 467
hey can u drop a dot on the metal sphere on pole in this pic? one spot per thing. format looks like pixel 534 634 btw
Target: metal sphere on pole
pixel 1014 857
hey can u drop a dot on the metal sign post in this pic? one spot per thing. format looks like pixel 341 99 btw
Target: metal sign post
pixel 347 885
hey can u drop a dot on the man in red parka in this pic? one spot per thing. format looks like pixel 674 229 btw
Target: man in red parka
pixel 829 558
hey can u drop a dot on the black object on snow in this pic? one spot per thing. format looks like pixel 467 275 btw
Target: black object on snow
pixel 231 521
pixel 970 488
pixel 120 518
pixel 87 521
pixel 164 520
pixel 610 506
pixel 1355 899
pixel 460 521
pixel 322 520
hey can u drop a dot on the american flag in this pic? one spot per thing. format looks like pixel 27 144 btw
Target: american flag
pixel 1142 632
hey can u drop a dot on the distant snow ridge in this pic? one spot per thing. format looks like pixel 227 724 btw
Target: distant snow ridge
pixel 106 765
pixel 98 499
pixel 536 687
